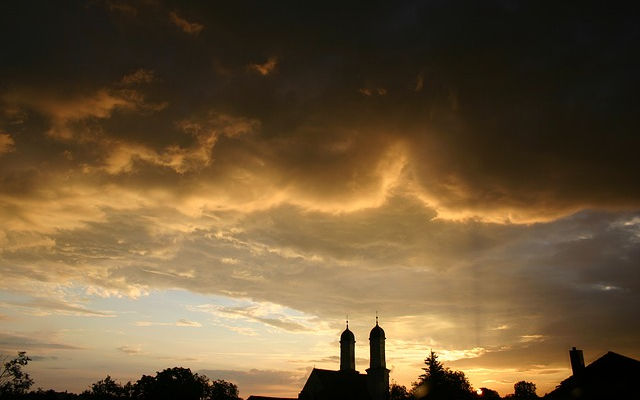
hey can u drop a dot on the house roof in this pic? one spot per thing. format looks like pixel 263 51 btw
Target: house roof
pixel 335 385
pixel 610 376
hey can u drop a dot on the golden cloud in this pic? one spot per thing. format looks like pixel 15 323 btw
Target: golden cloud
pixel 64 111
pixel 7 144
pixel 266 68
pixel 191 28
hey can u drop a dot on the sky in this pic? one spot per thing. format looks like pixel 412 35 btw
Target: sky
pixel 220 185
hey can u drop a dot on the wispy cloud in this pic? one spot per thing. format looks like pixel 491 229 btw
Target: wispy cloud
pixel 180 322
pixel 67 113
pixel 532 338
pixel 130 349
pixel 267 68
pixel 267 314
pixel 376 91
pixel 139 76
pixel 35 341
pixel 191 28
pixel 46 306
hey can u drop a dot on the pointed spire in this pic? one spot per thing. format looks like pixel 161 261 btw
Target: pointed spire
pixel 376 318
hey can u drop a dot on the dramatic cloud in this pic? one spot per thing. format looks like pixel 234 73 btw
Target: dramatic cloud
pixel 261 170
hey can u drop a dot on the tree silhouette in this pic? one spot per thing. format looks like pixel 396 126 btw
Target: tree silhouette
pixel 438 382
pixel 221 390
pixel 434 370
pixel 172 383
pixel 13 381
pixel 488 394
pixel 399 392
pixel 144 387
pixel 523 391
pixel 105 389
pixel 181 383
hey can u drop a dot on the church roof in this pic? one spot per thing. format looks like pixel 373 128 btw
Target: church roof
pixel 376 332
pixel 335 385
pixel 347 336
pixel 612 376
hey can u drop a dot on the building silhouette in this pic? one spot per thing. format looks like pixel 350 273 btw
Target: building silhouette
pixel 347 383
pixel 612 376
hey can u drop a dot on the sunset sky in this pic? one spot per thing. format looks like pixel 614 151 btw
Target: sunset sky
pixel 218 184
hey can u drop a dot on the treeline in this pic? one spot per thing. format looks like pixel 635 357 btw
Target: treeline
pixel 169 384
pixel 438 382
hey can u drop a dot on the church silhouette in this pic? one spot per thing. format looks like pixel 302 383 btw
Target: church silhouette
pixel 347 383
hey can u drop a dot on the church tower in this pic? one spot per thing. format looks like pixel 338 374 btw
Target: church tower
pixel 377 373
pixel 347 350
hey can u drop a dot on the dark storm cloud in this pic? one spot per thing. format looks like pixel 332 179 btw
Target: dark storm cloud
pixel 505 105
pixel 467 168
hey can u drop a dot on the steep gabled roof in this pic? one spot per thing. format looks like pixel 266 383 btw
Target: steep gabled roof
pixel 335 385
pixel 612 376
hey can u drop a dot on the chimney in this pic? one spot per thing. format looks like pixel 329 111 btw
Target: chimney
pixel 577 360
